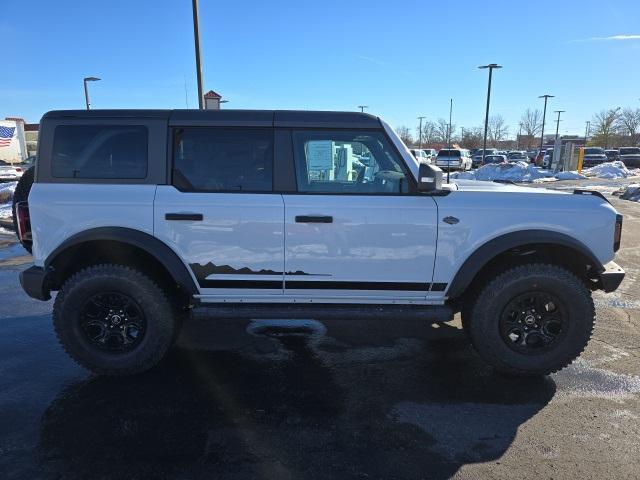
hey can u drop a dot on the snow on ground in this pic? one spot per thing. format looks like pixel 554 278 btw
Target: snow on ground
pixel 515 172
pixel 631 192
pixel 5 210
pixel 6 191
pixel 6 196
pixel 615 169
pixel 520 172
pixel 569 176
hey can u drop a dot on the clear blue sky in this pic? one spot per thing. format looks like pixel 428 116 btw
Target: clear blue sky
pixel 403 58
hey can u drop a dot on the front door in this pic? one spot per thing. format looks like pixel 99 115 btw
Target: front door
pixel 220 214
pixel 355 231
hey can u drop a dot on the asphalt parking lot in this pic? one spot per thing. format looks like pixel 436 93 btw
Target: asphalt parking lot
pixel 345 399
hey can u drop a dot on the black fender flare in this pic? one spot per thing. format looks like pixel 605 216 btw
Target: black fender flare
pixel 494 247
pixel 150 244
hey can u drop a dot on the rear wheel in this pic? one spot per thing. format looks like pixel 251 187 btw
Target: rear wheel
pixel 113 320
pixel 532 320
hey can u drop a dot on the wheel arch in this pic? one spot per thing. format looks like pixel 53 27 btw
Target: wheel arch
pixel 515 247
pixel 120 245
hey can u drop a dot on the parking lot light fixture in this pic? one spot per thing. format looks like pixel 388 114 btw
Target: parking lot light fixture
pixel 490 66
pixel 558 121
pixel 544 117
pixel 86 90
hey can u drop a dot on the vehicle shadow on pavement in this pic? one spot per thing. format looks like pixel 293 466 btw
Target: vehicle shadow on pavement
pixel 310 408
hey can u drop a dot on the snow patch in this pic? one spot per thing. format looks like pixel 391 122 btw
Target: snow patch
pixel 615 169
pixel 5 211
pixel 6 191
pixel 513 171
pixel 569 176
pixel 631 192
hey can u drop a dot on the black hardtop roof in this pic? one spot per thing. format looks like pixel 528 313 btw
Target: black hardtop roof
pixel 229 117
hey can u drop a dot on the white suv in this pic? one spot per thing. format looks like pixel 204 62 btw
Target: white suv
pixel 454 159
pixel 142 219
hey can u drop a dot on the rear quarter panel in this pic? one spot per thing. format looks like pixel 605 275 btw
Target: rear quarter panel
pixel 59 211
pixel 486 215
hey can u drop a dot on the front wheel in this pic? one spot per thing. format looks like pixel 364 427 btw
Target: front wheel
pixel 532 320
pixel 113 320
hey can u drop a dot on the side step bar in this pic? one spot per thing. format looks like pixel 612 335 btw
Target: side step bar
pixel 427 313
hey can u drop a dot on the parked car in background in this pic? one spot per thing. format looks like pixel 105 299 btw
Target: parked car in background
pixel 612 155
pixel 495 159
pixel 454 158
pixel 432 152
pixel 10 172
pixel 593 156
pixel 532 154
pixel 476 159
pixel 517 155
pixel 630 156
pixel 420 155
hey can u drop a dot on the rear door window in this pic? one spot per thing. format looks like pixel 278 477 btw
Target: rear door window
pixel 100 152
pixel 212 159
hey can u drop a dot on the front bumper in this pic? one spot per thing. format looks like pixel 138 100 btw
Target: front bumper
pixel 611 278
pixel 34 282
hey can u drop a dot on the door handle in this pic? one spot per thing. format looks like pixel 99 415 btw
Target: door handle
pixel 314 219
pixel 183 216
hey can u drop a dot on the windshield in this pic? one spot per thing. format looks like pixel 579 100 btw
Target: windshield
pixel 593 151
pixel 629 151
pixel 449 153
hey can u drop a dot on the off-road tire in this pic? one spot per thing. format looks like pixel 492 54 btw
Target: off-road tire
pixel 483 323
pixel 21 194
pixel 158 312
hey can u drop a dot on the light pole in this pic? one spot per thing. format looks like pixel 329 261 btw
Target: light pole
pixel 491 66
pixel 558 121
pixel 86 90
pixel 449 138
pixel 544 116
pixel 519 134
pixel 196 38
pixel 586 132
pixel 362 107
pixel 420 132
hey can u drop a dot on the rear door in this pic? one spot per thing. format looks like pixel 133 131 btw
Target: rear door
pixel 220 213
pixel 355 231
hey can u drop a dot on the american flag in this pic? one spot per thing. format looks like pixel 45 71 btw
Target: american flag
pixel 6 134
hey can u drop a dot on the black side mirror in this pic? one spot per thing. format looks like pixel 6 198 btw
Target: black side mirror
pixel 429 178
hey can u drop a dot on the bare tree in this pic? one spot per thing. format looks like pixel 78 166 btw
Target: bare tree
pixel 604 125
pixel 405 135
pixel 472 137
pixel 442 133
pixel 497 129
pixel 531 121
pixel 428 132
pixel 629 122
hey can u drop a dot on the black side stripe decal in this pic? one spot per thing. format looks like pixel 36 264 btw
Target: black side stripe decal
pixel 311 285
pixel 320 285
pixel 266 284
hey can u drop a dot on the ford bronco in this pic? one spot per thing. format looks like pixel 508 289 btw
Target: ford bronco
pixel 142 219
